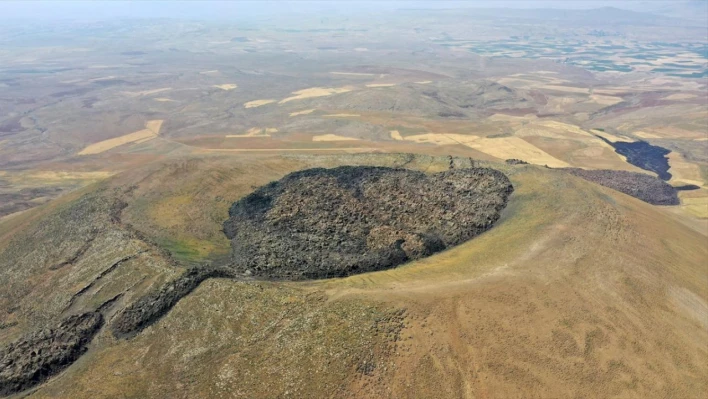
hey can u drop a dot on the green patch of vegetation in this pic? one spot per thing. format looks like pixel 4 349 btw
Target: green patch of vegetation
pixel 180 250
pixel 191 250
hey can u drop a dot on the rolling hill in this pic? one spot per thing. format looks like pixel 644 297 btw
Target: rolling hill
pixel 578 291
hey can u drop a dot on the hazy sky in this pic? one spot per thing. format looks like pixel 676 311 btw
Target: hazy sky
pixel 58 9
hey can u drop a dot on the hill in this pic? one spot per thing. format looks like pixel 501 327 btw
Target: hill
pixel 444 99
pixel 575 292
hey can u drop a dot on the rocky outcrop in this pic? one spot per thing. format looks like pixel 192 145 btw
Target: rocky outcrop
pixel 687 187
pixel 151 307
pixel 41 354
pixel 321 223
pixel 514 161
pixel 644 187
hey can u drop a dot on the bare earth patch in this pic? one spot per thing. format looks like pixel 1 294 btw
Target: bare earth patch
pixel 255 132
pixel 316 92
pixel 681 96
pixel 605 100
pixel 257 103
pixel 305 112
pixel 332 137
pixel 145 92
pixel 502 147
pixel 226 86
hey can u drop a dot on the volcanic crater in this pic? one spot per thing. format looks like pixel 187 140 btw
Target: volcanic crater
pixel 312 224
pixel 323 223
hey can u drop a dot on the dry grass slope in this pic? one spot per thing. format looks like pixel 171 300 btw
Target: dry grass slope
pixel 588 298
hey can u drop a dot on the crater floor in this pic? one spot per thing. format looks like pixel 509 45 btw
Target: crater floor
pixel 321 223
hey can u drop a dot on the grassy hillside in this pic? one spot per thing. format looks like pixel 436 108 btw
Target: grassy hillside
pixel 578 291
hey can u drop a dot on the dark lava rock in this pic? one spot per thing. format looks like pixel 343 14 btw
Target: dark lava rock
pixel 687 187
pixel 321 223
pixel 41 354
pixel 151 307
pixel 644 155
pixel 647 188
pixel 515 161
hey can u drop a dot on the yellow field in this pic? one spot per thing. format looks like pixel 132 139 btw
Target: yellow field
pixel 106 145
pixel 226 86
pixel 553 129
pixel 380 85
pixel 511 118
pixel 332 137
pixel 396 135
pixel 305 112
pixel 684 172
pixel 605 100
pixel 146 92
pixel 257 103
pixel 696 206
pixel 502 147
pixel 646 135
pixel 152 130
pixel 164 100
pixel 255 132
pixel 565 142
pixel 50 176
pixel 154 126
pixel 316 92
pixel 144 140
pixel 681 96
pixel 669 132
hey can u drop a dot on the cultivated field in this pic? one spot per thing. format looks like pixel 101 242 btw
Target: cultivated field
pixel 151 131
